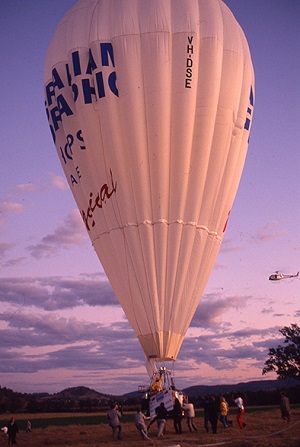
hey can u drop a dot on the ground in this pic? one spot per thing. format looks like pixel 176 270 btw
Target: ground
pixel 264 428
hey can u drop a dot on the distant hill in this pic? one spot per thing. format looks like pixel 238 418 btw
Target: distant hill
pixel 80 392
pixel 82 398
pixel 243 387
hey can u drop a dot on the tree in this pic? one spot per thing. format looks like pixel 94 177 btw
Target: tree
pixel 285 360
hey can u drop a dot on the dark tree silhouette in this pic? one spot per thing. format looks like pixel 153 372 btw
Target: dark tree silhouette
pixel 285 360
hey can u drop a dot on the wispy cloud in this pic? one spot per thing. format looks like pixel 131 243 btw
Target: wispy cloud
pixel 70 232
pixel 10 207
pixel 7 208
pixel 59 182
pixel 229 246
pixel 26 188
pixel 4 248
pixel 269 232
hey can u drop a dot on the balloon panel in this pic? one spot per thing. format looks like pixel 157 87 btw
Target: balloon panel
pixel 150 107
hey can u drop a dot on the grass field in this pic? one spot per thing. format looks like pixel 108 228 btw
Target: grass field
pixel 264 428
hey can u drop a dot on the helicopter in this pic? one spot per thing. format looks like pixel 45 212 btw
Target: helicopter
pixel 277 276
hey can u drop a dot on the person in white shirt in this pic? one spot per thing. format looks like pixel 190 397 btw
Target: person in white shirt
pixel 189 412
pixel 241 410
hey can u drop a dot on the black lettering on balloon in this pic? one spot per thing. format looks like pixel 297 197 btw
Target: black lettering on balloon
pixel 105 193
pixel 189 63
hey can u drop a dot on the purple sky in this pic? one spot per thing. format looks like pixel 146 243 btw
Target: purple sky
pixel 60 324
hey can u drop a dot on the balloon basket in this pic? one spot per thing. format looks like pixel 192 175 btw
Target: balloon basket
pixel 161 389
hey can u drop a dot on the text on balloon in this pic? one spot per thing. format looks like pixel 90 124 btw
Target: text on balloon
pixel 86 78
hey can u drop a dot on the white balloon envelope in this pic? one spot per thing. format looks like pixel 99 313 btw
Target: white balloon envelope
pixel 150 105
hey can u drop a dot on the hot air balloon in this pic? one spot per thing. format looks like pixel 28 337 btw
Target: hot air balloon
pixel 150 106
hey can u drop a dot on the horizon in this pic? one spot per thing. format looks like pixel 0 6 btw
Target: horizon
pixel 245 383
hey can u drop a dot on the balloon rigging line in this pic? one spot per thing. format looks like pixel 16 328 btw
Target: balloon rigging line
pixel 246 437
pixel 275 433
pixel 14 313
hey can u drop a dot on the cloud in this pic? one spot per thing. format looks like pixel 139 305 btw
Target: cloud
pixel 83 346
pixel 59 182
pixel 269 232
pixel 47 329
pixel 25 188
pixel 229 246
pixel 57 293
pixel 55 180
pixel 38 338
pixel 13 262
pixel 7 208
pixel 211 309
pixel 70 232
pixel 10 207
pixel 225 350
pixel 59 342
pixel 268 310
pixel 5 247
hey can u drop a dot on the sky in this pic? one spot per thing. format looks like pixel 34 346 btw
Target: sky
pixel 60 323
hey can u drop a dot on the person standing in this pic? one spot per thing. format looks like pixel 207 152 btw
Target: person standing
pixel 213 411
pixel 223 411
pixel 285 407
pixel 240 411
pixel 177 416
pixel 139 420
pixel 190 415
pixel 114 421
pixel 206 414
pixel 12 431
pixel 161 417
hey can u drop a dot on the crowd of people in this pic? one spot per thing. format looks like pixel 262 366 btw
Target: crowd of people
pixel 214 410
